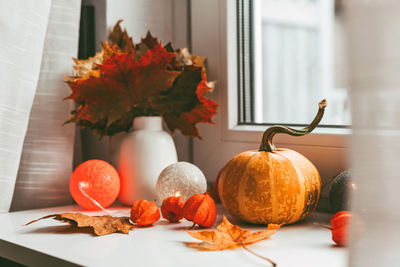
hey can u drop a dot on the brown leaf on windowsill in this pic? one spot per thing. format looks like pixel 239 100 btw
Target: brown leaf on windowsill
pixel 102 225
pixel 229 236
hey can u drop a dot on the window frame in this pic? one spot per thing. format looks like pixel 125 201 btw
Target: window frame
pixel 233 129
pixel 245 63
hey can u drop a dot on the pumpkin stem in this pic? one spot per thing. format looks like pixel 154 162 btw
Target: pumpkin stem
pixel 258 255
pixel 266 143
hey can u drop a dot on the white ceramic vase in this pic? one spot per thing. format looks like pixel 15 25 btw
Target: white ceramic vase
pixel 144 153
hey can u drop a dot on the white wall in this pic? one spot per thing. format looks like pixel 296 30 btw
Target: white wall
pixel 142 15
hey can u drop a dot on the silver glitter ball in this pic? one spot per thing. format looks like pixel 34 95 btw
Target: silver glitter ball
pixel 180 179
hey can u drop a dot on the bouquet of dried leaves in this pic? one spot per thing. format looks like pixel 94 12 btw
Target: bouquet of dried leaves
pixel 126 80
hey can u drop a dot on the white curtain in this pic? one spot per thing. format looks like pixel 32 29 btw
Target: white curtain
pixel 38 40
pixel 374 41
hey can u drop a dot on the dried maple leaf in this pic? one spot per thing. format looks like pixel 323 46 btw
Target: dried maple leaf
pixel 184 58
pixel 229 236
pixel 181 96
pixel 124 80
pixel 102 225
pixel 198 61
pixel 185 103
pixel 121 38
pixel 110 50
pixel 149 41
pixel 84 68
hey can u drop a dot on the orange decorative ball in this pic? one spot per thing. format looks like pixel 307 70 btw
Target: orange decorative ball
pixel 94 180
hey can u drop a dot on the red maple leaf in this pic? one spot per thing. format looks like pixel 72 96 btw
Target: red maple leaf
pixel 125 85
pixel 186 104
pixel 127 80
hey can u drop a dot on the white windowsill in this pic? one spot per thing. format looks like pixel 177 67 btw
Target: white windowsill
pixel 45 244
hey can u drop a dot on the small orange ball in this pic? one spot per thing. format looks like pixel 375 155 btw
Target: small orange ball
pixel 99 180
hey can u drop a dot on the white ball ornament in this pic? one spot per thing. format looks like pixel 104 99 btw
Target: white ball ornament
pixel 180 179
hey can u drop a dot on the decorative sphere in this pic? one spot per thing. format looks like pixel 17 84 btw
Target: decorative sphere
pixel 180 179
pixel 341 189
pixel 98 180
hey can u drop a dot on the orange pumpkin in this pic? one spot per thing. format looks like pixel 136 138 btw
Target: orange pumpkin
pixel 272 185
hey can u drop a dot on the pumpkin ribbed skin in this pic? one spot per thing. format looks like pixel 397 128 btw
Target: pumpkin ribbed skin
pixel 262 187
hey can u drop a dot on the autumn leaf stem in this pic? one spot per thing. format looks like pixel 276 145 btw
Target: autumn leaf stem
pixel 323 226
pixel 258 255
pixel 191 227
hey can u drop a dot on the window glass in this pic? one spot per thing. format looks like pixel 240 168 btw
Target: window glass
pixel 297 53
